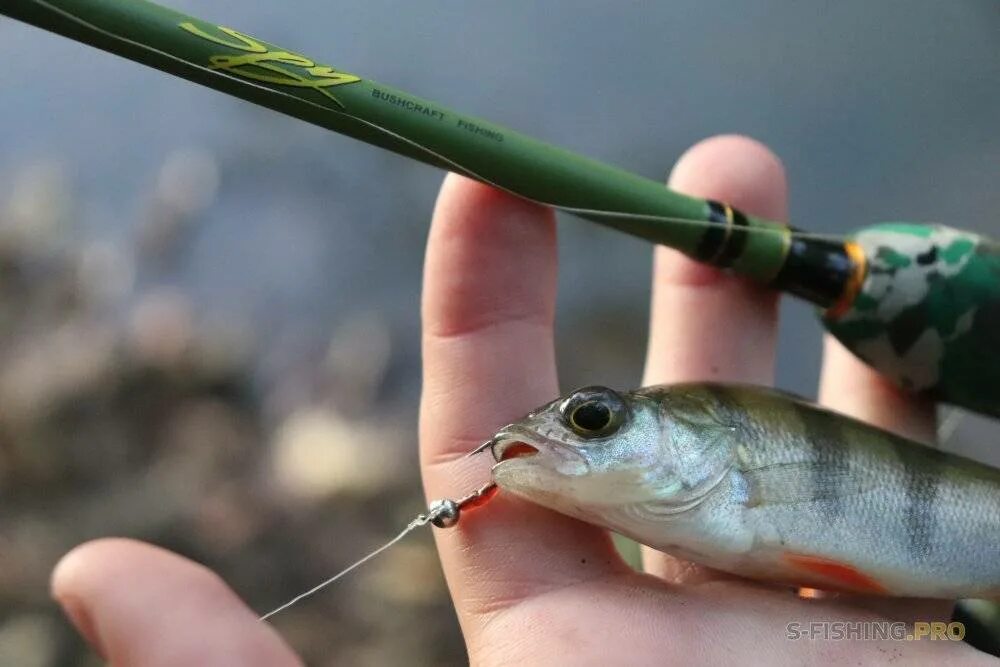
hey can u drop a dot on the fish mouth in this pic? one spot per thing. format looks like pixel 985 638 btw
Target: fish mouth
pixel 511 445
pixel 514 449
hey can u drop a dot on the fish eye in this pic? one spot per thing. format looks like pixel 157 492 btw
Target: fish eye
pixel 592 416
pixel 593 412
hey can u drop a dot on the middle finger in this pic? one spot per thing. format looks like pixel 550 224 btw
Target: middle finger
pixel 706 325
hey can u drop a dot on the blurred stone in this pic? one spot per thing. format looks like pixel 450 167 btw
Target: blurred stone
pixel 162 328
pixel 316 454
pixel 28 640
pixel 51 366
pixel 188 180
pixel 357 360
pixel 187 184
pixel 37 213
pixel 209 430
pixel 225 348
pixel 106 273
pixel 226 520
pixel 30 549
pixel 407 574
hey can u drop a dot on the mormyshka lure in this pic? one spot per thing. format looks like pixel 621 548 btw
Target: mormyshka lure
pixel 920 303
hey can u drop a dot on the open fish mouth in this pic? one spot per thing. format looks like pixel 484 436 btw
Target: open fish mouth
pixel 515 449
pixel 509 445
pixel 519 443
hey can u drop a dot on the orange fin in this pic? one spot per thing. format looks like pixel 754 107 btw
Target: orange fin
pixel 835 575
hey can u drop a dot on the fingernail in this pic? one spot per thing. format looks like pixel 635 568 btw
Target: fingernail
pixel 76 610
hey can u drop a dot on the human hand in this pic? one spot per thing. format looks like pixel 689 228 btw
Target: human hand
pixel 531 586
pixel 534 587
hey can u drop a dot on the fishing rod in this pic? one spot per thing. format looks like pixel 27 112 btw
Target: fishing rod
pixel 919 303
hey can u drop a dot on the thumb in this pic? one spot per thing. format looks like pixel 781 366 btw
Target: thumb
pixel 137 604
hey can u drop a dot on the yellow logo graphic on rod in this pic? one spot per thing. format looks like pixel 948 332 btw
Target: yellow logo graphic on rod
pixel 259 63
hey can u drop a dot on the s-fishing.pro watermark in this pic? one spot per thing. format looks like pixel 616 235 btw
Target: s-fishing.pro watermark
pixel 875 631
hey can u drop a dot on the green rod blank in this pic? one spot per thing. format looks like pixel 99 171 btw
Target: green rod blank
pixel 919 303
pixel 269 75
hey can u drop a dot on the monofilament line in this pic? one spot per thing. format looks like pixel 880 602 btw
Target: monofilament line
pixel 416 523
pixel 442 513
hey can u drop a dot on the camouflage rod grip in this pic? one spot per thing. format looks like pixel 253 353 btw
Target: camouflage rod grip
pixel 927 314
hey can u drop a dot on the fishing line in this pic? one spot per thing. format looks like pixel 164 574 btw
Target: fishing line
pixel 443 513
pixel 621 215
pixel 416 523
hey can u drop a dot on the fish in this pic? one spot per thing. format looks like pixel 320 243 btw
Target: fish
pixel 762 484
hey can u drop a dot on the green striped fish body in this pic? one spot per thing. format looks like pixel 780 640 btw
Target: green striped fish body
pixel 763 484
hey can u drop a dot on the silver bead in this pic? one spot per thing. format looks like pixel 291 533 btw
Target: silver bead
pixel 444 513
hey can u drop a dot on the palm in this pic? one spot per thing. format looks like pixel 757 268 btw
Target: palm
pixel 637 619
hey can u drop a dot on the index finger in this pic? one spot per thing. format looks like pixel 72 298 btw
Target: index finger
pixel 488 352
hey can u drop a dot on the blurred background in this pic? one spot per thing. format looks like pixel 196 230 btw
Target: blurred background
pixel 209 312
